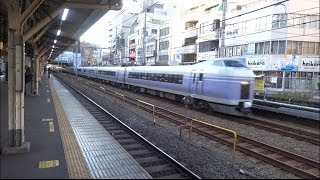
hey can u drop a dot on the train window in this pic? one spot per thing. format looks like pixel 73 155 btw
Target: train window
pixel 170 78
pixel 200 76
pixel 149 75
pixel 180 79
pixel 152 76
pixel 144 75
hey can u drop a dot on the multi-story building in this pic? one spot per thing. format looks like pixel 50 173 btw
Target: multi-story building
pixel 120 28
pixel 165 55
pixel 143 45
pixel 280 42
pixel 196 32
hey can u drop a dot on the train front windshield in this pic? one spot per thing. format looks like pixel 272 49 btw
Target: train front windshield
pixel 224 63
pixel 234 63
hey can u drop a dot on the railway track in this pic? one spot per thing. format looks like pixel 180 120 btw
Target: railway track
pixel 156 162
pixel 296 164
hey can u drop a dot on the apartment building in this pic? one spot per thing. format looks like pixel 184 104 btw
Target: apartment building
pixel 280 42
pixel 144 45
pixel 195 32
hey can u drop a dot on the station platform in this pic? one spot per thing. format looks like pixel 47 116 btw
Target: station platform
pixel 65 140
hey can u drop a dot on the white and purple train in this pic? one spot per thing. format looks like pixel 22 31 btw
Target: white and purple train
pixel 225 85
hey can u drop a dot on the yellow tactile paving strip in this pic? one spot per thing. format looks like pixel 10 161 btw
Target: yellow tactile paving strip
pixel 76 165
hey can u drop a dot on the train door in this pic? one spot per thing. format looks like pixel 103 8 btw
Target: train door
pixel 196 83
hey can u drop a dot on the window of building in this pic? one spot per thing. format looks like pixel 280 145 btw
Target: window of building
pixel 314 22
pixel 274 47
pixel 306 21
pixel 256 46
pixel 311 49
pixel 154 31
pixel 234 51
pixel 279 21
pixel 317 50
pixel 238 50
pixel 290 19
pixel 261 47
pixel 305 47
pixel 299 47
pixel 164 31
pixel 289 47
pixel 208 46
pixel 294 48
pixel 163 57
pixel 150 48
pixel 163 45
pixel 297 20
pixel 244 49
pixel 267 47
pixel 244 27
pixel 282 47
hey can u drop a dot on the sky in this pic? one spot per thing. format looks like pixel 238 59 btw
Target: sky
pixel 97 33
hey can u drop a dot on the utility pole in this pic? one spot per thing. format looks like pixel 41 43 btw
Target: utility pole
pixel 77 48
pixel 144 37
pixel 223 27
pixel 116 45
pixel 155 52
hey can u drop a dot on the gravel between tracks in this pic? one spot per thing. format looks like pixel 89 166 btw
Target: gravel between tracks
pixel 203 156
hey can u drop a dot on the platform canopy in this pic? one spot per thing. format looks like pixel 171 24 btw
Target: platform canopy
pixel 41 20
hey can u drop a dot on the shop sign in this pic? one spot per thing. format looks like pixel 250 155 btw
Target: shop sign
pixel 309 64
pixel 283 63
pixel 259 84
pixel 257 63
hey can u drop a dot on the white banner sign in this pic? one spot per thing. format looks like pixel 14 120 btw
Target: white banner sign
pixel 257 63
pixel 309 64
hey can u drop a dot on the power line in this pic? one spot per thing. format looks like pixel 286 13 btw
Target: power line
pixel 268 23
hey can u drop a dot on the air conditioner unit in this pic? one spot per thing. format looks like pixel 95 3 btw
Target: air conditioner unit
pixel 239 7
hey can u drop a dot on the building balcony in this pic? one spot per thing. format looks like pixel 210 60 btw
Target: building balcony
pixel 187 49
pixel 149 53
pixel 207 55
pixel 190 33
pixel 133 45
pixel 209 34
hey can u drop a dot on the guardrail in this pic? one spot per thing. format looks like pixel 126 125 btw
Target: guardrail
pixel 201 123
pixel 153 109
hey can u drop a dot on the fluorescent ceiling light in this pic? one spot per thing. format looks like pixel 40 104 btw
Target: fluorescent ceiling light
pixel 55 41
pixel 65 13
pixel 58 32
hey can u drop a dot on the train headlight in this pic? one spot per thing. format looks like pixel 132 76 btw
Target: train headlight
pixel 247 104
pixel 244 82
